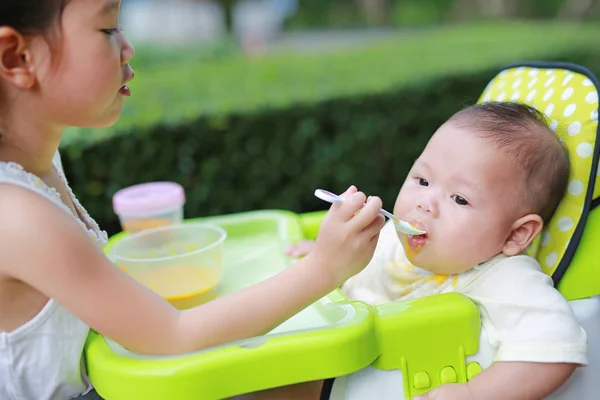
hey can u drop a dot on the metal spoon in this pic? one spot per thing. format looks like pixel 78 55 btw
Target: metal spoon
pixel 401 226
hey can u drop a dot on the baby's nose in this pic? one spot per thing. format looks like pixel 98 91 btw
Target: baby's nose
pixel 423 206
pixel 426 205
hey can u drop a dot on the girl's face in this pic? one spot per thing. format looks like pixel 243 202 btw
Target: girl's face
pixel 82 74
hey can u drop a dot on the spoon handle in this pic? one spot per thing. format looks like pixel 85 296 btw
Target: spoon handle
pixel 334 198
pixel 402 226
pixel 389 215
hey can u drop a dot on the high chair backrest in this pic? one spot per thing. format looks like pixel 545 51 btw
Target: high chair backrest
pixel 568 95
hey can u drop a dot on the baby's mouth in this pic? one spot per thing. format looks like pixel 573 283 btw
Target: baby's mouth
pixel 418 241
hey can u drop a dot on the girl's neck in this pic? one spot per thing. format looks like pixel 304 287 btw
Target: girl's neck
pixel 31 145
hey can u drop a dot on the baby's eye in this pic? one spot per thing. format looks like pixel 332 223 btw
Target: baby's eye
pixel 460 200
pixel 423 182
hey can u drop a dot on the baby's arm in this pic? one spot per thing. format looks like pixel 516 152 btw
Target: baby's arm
pixel 508 381
pixel 45 248
pixel 540 342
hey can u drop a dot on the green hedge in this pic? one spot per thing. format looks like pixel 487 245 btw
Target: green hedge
pixel 271 148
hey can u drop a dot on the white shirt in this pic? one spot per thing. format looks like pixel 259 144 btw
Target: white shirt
pixel 43 359
pixel 524 316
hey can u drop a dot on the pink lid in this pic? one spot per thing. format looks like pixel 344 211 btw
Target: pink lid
pixel 147 198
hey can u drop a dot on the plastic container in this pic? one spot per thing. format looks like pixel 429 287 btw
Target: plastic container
pixel 149 205
pixel 182 263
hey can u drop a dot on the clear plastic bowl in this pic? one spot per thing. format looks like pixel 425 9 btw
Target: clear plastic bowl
pixel 149 205
pixel 182 263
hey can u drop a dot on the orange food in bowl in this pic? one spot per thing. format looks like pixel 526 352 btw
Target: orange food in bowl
pixel 183 286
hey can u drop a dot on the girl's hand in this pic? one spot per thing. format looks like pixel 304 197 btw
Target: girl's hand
pixel 348 236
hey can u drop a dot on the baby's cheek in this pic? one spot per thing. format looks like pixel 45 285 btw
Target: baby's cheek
pixel 399 211
pixel 402 204
pixel 455 253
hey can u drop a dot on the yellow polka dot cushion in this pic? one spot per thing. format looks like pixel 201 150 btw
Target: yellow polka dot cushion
pixel 568 95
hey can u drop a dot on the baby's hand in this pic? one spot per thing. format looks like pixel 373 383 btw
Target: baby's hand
pixel 456 391
pixel 300 249
pixel 348 236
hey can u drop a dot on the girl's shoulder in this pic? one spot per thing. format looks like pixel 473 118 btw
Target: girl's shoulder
pixel 14 175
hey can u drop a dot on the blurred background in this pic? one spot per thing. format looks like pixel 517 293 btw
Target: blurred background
pixel 252 104
pixel 267 25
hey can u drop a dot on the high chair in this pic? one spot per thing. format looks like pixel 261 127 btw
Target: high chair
pixel 424 342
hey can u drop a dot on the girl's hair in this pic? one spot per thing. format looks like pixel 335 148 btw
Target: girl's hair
pixel 30 17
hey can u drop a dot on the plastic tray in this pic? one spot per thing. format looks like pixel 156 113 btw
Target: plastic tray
pixel 332 337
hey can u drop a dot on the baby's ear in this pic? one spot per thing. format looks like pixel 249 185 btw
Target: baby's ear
pixel 522 233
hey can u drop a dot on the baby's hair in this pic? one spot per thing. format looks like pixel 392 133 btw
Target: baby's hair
pixel 522 132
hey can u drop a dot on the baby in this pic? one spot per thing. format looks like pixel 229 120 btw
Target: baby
pixel 483 188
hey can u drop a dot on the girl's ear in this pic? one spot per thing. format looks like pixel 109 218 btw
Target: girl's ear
pixel 16 63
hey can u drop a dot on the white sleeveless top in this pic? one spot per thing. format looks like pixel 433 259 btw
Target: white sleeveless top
pixel 43 359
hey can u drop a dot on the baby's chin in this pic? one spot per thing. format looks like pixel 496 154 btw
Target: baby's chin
pixel 423 260
pixel 417 257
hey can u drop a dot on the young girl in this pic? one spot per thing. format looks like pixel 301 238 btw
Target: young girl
pixel 65 63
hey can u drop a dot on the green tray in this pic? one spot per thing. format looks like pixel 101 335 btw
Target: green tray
pixel 332 337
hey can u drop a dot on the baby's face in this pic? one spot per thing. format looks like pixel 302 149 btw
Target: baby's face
pixel 465 194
